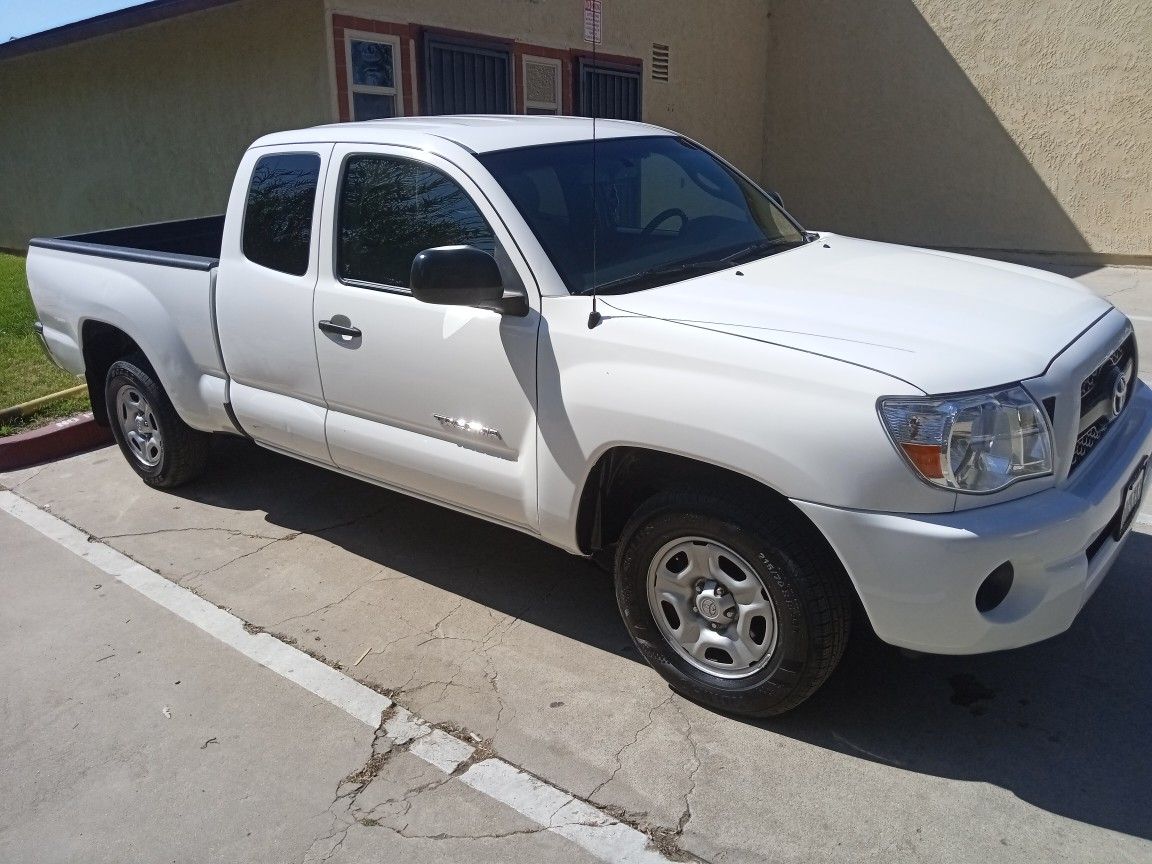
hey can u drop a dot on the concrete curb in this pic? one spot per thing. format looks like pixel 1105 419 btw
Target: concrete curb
pixel 57 439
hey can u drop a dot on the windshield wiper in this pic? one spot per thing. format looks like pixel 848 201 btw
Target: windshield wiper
pixel 709 265
pixel 753 249
pixel 655 273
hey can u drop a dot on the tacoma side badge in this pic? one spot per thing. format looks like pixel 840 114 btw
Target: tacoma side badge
pixel 473 427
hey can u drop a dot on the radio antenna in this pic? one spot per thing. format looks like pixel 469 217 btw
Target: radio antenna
pixel 594 317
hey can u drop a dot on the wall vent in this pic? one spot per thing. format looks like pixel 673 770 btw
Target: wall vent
pixel 541 85
pixel 660 60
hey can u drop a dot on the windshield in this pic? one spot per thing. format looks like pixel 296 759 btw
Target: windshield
pixel 664 209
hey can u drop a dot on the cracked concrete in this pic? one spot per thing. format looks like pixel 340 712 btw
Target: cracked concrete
pixel 113 762
pixel 477 627
pixel 424 814
pixel 115 700
pixel 482 629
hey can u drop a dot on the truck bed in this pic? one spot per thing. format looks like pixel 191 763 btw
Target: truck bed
pixel 193 244
pixel 155 285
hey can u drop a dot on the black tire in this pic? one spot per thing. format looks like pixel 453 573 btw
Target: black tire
pixel 184 452
pixel 798 571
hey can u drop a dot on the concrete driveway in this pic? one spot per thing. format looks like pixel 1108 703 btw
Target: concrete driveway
pixel 1039 754
pixel 131 735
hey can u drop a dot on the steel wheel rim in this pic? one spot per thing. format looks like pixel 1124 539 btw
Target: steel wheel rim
pixel 138 424
pixel 711 607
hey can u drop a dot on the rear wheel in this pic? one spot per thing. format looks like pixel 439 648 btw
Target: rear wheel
pixel 742 610
pixel 163 449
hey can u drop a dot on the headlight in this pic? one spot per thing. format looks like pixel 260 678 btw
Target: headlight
pixel 977 442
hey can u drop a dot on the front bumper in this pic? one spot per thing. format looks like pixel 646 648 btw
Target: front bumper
pixel 917 575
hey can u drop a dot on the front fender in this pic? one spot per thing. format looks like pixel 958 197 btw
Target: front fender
pixel 801 424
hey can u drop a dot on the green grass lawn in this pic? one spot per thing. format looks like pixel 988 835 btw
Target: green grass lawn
pixel 25 372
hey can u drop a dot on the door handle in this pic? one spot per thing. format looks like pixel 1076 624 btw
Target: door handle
pixel 340 329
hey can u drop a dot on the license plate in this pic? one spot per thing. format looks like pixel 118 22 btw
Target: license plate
pixel 1133 495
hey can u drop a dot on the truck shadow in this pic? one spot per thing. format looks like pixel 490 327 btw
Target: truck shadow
pixel 496 567
pixel 1063 725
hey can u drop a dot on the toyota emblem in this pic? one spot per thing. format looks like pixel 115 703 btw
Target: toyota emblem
pixel 1119 392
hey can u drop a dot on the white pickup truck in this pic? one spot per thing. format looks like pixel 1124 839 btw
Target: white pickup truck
pixel 623 346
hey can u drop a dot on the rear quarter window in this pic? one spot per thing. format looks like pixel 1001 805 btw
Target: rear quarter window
pixel 278 213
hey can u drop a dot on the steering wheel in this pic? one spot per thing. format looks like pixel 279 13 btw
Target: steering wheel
pixel 664 216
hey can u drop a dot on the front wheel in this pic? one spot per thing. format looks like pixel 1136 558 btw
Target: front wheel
pixel 163 449
pixel 744 611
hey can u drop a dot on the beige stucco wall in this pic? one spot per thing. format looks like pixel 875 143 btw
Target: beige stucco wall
pixel 984 124
pixel 988 123
pixel 716 90
pixel 149 123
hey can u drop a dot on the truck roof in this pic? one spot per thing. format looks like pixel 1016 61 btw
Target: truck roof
pixel 479 133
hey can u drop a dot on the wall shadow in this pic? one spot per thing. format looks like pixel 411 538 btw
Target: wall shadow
pixel 1063 725
pixel 875 130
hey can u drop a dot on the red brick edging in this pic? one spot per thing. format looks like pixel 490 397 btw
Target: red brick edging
pixel 57 439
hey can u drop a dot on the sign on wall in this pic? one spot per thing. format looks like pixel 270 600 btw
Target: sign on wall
pixel 593 22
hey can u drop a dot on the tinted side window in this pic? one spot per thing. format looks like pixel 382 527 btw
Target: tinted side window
pixel 278 216
pixel 390 210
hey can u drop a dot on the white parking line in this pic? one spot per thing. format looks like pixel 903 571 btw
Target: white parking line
pixel 557 811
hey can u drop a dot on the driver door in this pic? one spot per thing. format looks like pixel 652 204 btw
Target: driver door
pixel 439 401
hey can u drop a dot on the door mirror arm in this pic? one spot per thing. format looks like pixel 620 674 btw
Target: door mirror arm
pixel 513 303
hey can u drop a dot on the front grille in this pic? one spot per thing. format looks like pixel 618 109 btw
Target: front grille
pixel 1098 397
pixel 1086 440
pixel 1114 359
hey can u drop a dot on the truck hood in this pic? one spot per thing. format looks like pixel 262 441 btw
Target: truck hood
pixel 939 321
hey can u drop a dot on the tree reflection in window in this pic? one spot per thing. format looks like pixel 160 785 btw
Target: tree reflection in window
pixel 278 214
pixel 390 210
pixel 371 63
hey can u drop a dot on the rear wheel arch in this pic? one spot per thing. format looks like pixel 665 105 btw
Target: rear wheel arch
pixel 102 345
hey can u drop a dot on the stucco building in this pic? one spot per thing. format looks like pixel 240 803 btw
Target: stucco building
pixel 985 125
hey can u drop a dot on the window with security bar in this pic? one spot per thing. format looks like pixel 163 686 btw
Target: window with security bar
pixel 466 77
pixel 610 91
